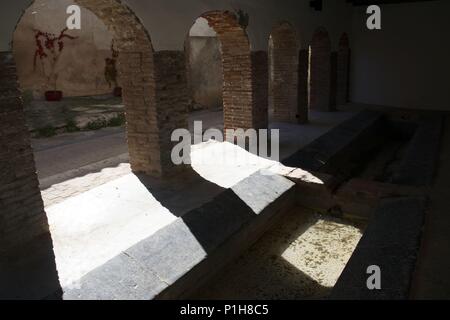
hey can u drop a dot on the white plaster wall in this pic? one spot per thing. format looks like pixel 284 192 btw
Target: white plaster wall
pixel 407 63
pixel 169 21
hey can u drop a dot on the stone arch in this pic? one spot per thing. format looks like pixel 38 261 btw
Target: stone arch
pixel 343 69
pixel 320 71
pixel 149 111
pixel 240 67
pixel 283 77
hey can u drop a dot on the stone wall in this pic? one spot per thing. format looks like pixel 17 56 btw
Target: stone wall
pixel 204 72
pixel 320 85
pixel 283 51
pixel 22 215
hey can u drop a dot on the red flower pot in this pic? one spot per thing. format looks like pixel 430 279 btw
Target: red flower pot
pixel 117 92
pixel 53 95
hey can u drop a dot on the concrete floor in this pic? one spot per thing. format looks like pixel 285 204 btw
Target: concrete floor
pixel 92 226
pixel 301 257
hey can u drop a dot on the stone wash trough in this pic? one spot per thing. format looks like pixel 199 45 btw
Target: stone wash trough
pixel 356 171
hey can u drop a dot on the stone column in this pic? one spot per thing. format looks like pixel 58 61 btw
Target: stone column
pixel 303 112
pixel 320 71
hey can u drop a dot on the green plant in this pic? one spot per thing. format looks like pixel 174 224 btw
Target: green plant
pixel 46 132
pixel 71 126
pixel 27 97
pixel 117 121
pixel 243 18
pixel 96 125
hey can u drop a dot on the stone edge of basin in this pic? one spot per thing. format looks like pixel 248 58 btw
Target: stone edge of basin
pixel 179 258
pixel 391 242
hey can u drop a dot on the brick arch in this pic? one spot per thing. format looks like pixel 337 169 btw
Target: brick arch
pixel 320 71
pixel 343 68
pixel 242 88
pixel 137 71
pixel 283 78
pixel 149 123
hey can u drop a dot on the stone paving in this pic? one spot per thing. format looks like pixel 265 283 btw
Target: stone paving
pixel 62 191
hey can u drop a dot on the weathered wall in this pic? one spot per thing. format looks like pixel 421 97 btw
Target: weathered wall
pixel 204 72
pixel 406 64
pixel 82 63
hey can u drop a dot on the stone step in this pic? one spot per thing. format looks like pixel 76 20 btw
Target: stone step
pixel 179 258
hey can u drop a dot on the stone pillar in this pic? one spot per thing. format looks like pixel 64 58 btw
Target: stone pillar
pixel 320 71
pixel 343 68
pixel 333 81
pixel 284 78
pixel 260 79
pixel 303 112
pixel 22 215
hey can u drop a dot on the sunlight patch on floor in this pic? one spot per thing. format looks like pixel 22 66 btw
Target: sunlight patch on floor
pixel 92 228
pixel 323 250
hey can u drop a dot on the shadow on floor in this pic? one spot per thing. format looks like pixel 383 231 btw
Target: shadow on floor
pixel 29 272
pixel 182 192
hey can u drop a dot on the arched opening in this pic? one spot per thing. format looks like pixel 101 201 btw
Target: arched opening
pixel 204 75
pixel 239 86
pixel 84 127
pixel 284 73
pixel 320 71
pixel 146 79
pixel 343 70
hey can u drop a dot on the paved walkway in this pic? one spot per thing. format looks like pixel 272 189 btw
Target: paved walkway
pixel 81 110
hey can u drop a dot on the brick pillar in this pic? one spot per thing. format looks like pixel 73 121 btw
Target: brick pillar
pixel 343 67
pixel 320 71
pixel 333 80
pixel 237 70
pixel 171 102
pixel 284 78
pixel 155 98
pixel 260 78
pixel 153 86
pixel 22 215
pixel 303 112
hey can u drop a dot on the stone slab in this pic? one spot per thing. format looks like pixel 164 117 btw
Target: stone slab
pixel 391 242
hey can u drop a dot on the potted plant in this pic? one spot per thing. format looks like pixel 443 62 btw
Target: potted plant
pixel 111 71
pixel 49 48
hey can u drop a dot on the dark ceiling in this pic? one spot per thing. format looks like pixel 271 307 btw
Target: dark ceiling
pixel 370 2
